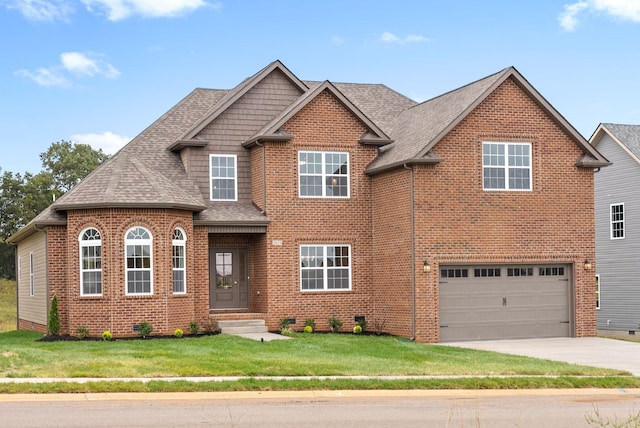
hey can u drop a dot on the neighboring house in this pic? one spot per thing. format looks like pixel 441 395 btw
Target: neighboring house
pixel 468 216
pixel 617 202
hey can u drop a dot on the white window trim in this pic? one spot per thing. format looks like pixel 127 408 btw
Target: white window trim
pixel 32 286
pixel 624 231
pixel 325 268
pixel 506 166
pixel 91 243
pixel 235 177
pixel 180 243
pixel 148 242
pixel 324 175
pixel 598 292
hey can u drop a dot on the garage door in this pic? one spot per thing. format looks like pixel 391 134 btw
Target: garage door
pixel 504 302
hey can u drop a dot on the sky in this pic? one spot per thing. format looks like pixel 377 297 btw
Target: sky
pixel 100 71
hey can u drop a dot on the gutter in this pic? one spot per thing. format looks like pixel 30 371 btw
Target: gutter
pixel 413 255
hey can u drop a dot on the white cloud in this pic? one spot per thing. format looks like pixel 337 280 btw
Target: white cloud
pixel 75 63
pixel 621 9
pixel 121 9
pixel 388 37
pixel 45 77
pixel 107 141
pixel 88 64
pixel 42 10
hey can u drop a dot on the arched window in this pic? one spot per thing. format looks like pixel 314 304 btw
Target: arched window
pixel 90 262
pixel 178 244
pixel 139 261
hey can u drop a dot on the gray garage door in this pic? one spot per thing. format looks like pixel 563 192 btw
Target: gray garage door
pixel 504 302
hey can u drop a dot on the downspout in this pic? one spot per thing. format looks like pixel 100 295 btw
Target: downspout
pixel 264 176
pixel 413 256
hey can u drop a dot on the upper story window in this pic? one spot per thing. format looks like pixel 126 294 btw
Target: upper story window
pixel 506 166
pixel 90 262
pixel 323 174
pixel 617 221
pixel 139 276
pixel 325 267
pixel 224 177
pixel 178 245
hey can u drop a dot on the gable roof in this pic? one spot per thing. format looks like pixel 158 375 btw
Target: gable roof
pixel 626 136
pixel 231 97
pixel 272 131
pixel 419 128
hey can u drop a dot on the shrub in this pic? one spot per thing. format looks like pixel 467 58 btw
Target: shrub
pixel 145 329
pixel 82 332
pixel 286 331
pixel 310 322
pixel 308 329
pixel 178 332
pixel 357 329
pixel 194 327
pixel 284 325
pixel 210 325
pixel 335 324
pixel 362 324
pixel 106 335
pixel 54 317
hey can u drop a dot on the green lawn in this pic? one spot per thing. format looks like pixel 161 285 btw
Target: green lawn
pixel 7 305
pixel 22 355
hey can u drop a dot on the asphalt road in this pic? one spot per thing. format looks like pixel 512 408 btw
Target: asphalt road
pixel 532 408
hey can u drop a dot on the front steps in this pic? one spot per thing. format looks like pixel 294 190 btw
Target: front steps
pixel 242 327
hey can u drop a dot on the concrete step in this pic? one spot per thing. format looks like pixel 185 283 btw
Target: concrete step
pixel 242 326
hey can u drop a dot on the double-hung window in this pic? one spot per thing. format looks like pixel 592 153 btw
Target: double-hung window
pixel 325 267
pixel 323 174
pixel 90 262
pixel 224 177
pixel 178 245
pixel 617 221
pixel 506 166
pixel 139 278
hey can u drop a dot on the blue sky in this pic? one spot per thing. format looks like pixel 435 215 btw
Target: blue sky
pixel 101 71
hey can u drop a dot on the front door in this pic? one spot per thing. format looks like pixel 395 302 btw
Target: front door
pixel 229 281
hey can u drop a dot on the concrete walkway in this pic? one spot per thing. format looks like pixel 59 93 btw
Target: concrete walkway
pixel 586 351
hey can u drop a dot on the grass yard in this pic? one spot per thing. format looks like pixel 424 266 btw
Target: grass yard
pixel 7 305
pixel 22 355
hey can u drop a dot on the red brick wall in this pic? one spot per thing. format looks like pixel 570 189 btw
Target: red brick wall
pixel 458 222
pixel 392 245
pixel 114 310
pixel 324 125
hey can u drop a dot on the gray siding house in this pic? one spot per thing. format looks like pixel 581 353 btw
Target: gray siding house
pixel 617 208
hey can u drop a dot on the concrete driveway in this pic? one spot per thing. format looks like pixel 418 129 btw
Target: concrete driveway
pixel 586 351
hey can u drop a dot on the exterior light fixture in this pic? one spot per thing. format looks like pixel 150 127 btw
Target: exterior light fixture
pixel 426 267
pixel 587 264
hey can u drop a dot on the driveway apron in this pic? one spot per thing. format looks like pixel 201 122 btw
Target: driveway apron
pixel 586 351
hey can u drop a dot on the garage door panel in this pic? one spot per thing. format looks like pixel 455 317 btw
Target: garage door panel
pixel 522 302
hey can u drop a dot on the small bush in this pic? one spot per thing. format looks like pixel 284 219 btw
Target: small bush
pixel 357 329
pixel 106 335
pixel 335 324
pixel 178 333
pixel 363 325
pixel 194 327
pixel 145 329
pixel 54 317
pixel 82 332
pixel 310 322
pixel 286 331
pixel 284 325
pixel 308 329
pixel 209 325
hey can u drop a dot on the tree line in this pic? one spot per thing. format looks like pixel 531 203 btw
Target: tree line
pixel 23 196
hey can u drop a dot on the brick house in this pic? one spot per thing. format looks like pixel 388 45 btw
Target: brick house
pixel 468 216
